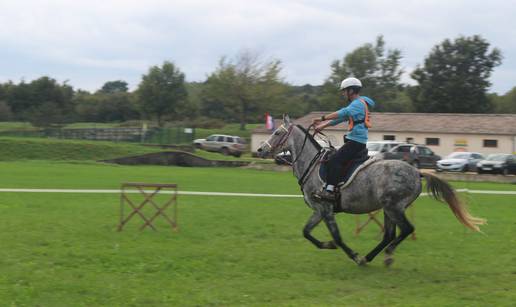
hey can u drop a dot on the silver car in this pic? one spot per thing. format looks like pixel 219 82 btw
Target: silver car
pixel 459 162
pixel 225 144
pixel 376 147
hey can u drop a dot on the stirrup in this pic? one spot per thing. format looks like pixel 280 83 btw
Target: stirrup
pixel 325 195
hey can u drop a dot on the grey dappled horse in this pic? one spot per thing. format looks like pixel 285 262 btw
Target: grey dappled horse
pixel 389 184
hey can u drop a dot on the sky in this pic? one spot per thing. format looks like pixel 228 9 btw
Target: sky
pixel 87 43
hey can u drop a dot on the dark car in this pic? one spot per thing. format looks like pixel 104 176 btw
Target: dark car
pixel 498 164
pixel 418 156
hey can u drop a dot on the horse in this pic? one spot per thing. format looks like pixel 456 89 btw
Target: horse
pixel 389 184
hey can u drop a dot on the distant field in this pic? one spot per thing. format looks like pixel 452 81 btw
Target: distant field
pixel 14 148
pixel 21 148
pixel 15 125
pixel 64 250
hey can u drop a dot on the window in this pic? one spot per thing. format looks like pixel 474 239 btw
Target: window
pixel 424 151
pixel 477 156
pixel 491 143
pixel 391 146
pixel 409 140
pixel 229 139
pixel 389 137
pixel 220 139
pixel 432 141
pixel 403 148
pixel 211 138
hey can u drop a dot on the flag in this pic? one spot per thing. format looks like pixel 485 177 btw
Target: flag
pixel 269 122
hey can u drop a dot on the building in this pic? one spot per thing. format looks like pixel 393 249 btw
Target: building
pixel 442 132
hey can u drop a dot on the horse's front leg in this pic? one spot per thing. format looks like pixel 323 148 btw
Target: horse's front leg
pixel 314 220
pixel 329 220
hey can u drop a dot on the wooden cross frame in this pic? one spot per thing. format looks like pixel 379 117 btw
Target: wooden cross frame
pixel 148 198
pixel 372 216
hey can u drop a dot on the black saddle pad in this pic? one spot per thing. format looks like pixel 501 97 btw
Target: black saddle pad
pixel 348 169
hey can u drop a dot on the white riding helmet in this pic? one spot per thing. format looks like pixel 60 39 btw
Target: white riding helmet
pixel 350 82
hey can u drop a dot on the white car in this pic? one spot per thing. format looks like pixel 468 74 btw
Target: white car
pixel 225 144
pixel 459 162
pixel 376 147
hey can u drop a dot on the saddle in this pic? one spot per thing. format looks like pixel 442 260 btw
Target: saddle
pixel 350 167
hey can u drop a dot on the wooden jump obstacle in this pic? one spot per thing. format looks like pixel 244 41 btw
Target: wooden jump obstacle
pixel 148 197
pixel 373 217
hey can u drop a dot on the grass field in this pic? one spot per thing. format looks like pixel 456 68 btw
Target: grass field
pixel 21 148
pixel 64 250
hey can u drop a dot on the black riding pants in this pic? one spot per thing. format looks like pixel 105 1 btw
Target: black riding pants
pixel 336 163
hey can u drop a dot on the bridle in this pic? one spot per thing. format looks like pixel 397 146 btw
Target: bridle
pixel 283 139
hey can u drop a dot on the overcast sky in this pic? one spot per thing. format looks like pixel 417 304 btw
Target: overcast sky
pixel 91 42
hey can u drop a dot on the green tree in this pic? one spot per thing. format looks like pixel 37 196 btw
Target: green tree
pixel 162 93
pixel 455 77
pixel 105 107
pixel 34 101
pixel 112 87
pixel 505 103
pixel 379 71
pixel 242 89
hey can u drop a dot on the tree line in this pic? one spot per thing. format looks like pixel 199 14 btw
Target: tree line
pixel 453 78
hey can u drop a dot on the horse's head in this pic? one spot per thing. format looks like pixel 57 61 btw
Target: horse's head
pixel 277 142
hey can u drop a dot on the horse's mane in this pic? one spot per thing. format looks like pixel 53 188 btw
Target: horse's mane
pixel 310 137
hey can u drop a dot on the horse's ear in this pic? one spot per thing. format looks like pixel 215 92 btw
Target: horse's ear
pixel 286 119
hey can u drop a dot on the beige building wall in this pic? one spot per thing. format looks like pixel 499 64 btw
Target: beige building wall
pixel 447 142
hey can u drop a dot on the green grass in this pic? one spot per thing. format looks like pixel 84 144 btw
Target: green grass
pixel 15 126
pixel 91 125
pixel 17 148
pixel 64 250
pixel 219 156
pixel 12 148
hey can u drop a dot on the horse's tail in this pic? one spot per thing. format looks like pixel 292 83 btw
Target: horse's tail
pixel 441 190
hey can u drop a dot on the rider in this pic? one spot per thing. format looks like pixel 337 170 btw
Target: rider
pixel 355 141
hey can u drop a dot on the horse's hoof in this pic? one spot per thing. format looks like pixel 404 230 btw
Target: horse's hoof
pixel 361 261
pixel 329 245
pixel 388 260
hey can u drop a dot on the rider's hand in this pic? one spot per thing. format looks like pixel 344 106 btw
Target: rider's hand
pixel 319 127
pixel 316 121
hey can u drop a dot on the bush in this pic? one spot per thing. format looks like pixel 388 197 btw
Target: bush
pixel 5 111
pixel 207 123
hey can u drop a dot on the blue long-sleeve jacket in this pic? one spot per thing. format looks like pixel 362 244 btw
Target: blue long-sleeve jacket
pixel 356 110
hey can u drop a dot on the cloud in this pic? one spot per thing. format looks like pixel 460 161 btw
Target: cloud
pixel 124 38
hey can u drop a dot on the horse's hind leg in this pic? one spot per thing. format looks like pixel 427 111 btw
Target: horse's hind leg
pixel 388 235
pixel 330 222
pixel 406 228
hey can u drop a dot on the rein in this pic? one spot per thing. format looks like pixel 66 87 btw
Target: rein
pixel 282 141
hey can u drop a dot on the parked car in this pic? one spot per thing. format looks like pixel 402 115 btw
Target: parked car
pixel 225 144
pixel 459 162
pixel 286 158
pixel 376 147
pixel 419 156
pixel 498 163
